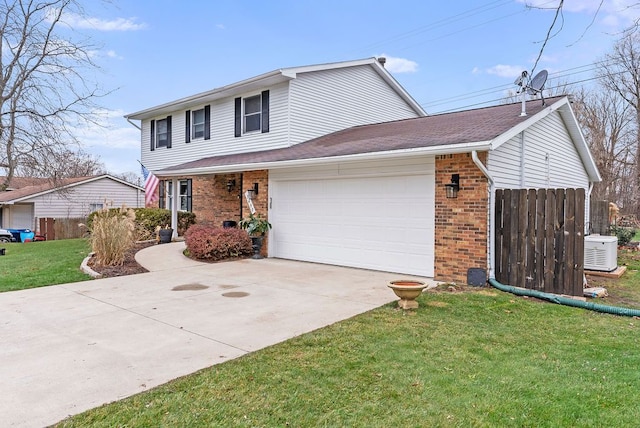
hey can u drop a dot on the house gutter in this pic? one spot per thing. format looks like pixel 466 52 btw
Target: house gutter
pixel 492 223
pixel 134 124
pixel 440 150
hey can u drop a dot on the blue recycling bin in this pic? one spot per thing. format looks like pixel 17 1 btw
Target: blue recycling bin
pixel 21 235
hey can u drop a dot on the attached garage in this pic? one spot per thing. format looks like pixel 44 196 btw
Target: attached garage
pixel 373 215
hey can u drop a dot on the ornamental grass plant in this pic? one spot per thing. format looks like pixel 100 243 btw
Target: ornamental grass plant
pixel 112 235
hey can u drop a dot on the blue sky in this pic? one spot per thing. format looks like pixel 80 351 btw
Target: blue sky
pixel 448 55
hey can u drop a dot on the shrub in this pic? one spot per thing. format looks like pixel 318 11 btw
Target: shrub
pixel 624 234
pixel 112 235
pixel 149 219
pixel 216 243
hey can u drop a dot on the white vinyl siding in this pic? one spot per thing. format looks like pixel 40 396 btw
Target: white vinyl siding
pixel 223 141
pixel 77 201
pixel 327 101
pixel 310 105
pixel 545 158
pixel 374 215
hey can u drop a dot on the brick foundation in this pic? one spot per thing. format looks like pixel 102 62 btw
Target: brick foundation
pixel 461 223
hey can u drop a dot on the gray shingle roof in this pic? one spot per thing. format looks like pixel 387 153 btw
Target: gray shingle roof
pixel 470 126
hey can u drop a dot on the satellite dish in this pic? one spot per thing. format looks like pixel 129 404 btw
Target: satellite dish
pixel 537 83
pixel 531 87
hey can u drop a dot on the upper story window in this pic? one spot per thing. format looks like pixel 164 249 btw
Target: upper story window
pixel 252 114
pixel 161 133
pixel 197 130
pixel 197 124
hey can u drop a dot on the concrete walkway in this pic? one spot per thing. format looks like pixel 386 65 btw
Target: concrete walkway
pixel 68 348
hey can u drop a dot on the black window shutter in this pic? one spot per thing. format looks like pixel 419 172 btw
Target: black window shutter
pixel 161 194
pixel 187 126
pixel 189 195
pixel 168 132
pixel 207 123
pixel 153 135
pixel 238 117
pixel 265 111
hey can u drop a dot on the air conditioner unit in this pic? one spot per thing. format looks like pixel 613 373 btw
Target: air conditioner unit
pixel 600 253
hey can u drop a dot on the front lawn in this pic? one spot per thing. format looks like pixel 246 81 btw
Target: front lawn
pixel 478 358
pixel 35 264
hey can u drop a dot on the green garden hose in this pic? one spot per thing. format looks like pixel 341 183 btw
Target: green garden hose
pixel 554 298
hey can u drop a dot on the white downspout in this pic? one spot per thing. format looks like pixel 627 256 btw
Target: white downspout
pixel 492 215
pixel 587 210
pixel 174 207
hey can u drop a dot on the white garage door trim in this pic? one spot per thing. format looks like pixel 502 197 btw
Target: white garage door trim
pixel 373 215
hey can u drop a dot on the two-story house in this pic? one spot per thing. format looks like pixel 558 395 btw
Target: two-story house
pixel 350 171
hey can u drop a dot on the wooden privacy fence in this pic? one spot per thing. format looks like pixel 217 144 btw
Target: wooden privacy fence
pixel 539 240
pixel 62 228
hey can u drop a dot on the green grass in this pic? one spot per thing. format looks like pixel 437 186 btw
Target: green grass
pixel 624 291
pixel 481 358
pixel 36 264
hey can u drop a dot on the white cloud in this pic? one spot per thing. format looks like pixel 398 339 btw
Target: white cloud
pixel 505 70
pixel 91 23
pixel 113 54
pixel 220 26
pixel 112 131
pixel 400 65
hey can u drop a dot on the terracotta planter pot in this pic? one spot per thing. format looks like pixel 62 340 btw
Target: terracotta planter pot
pixel 407 291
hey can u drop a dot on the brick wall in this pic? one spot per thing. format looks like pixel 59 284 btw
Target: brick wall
pixel 260 201
pixel 461 223
pixel 212 203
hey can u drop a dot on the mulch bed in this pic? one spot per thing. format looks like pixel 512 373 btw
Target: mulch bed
pixel 129 267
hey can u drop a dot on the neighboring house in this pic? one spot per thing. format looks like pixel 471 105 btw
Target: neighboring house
pixel 27 200
pixel 374 196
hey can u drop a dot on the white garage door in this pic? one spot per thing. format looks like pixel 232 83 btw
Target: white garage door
pixel 21 216
pixel 383 222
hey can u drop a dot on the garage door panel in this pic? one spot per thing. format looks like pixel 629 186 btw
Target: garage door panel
pixel 383 223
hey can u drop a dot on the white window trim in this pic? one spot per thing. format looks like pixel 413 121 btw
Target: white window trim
pixel 166 133
pixel 258 113
pixel 193 124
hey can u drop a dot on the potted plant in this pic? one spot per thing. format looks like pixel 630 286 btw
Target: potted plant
pixel 165 234
pixel 256 226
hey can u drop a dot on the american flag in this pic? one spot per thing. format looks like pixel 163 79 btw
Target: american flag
pixel 150 186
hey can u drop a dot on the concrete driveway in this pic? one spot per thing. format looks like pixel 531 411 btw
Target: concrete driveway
pixel 71 347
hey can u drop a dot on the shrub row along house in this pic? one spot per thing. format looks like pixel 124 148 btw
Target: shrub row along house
pixel 351 171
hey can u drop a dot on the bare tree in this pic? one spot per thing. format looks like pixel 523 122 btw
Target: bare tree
pixel 130 177
pixel 620 73
pixel 607 122
pixel 62 164
pixel 43 92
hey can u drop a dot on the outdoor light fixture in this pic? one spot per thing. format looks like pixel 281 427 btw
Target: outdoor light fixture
pixel 253 191
pixel 230 185
pixel 453 187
